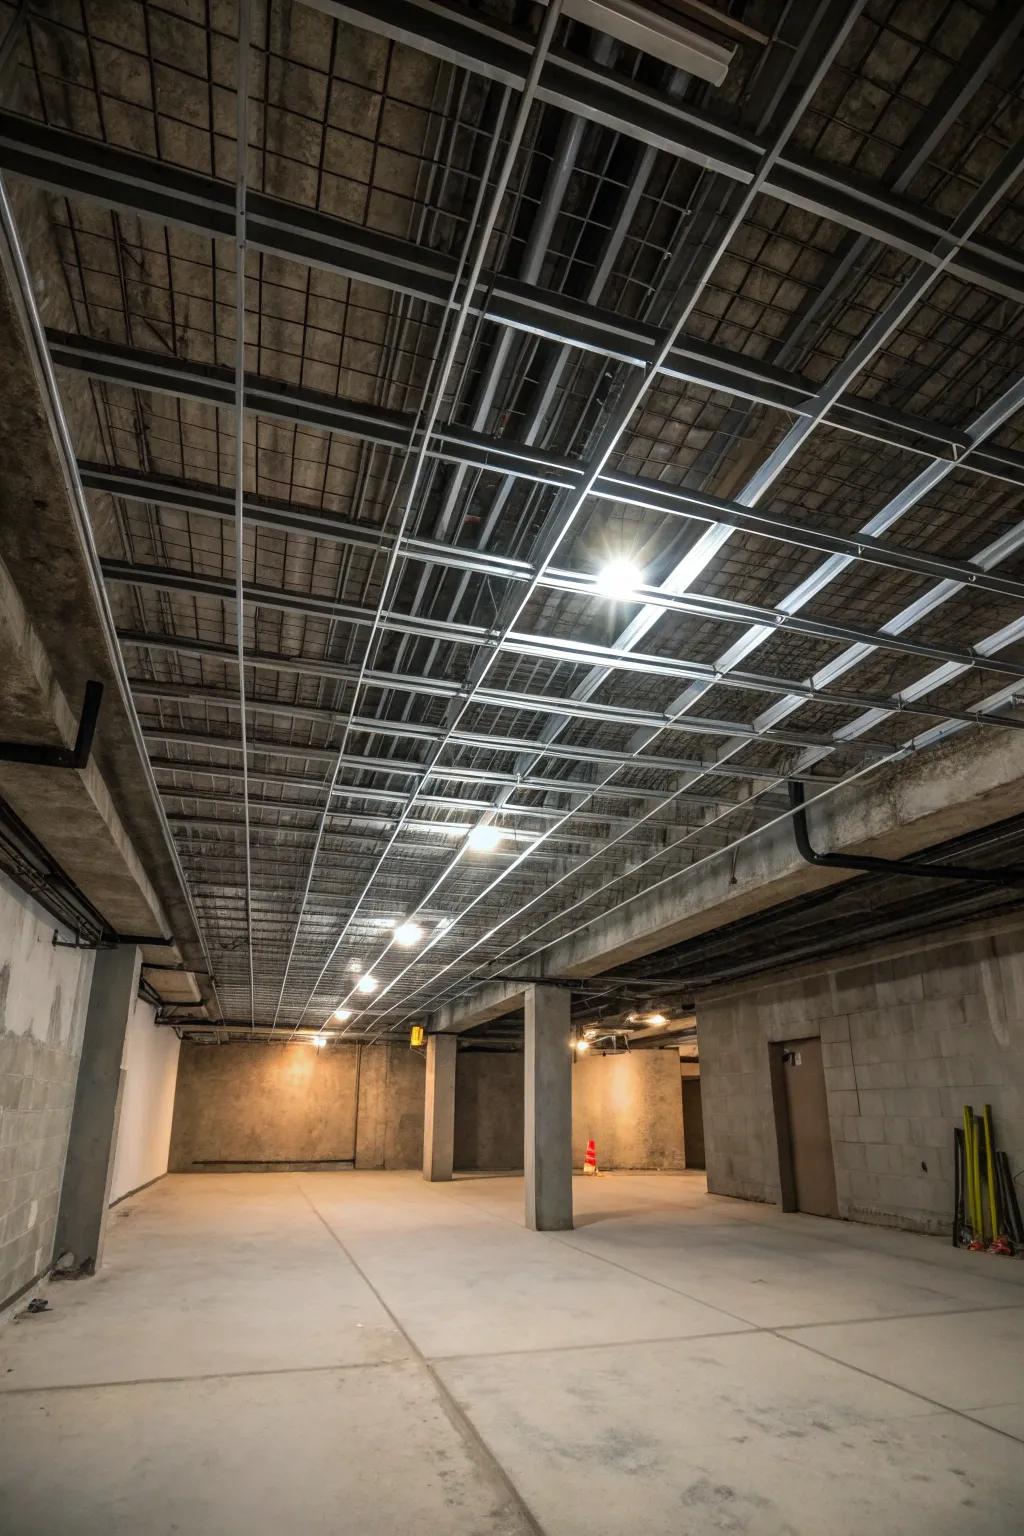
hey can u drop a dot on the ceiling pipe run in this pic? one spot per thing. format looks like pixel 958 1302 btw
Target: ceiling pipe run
pixel 1014 877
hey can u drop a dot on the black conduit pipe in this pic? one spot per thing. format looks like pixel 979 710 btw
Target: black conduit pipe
pixel 61 757
pixel 1009 876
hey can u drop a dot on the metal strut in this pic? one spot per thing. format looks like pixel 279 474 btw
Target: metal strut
pixel 61 757
pixel 1010 876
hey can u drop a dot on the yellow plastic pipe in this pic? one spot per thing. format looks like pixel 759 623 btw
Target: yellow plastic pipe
pixel 990 1171
pixel 969 1167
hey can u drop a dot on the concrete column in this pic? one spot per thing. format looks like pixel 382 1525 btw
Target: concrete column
pixel 85 1192
pixel 439 1108
pixel 547 1124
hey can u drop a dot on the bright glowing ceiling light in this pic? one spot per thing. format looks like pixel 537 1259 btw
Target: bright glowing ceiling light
pixel 618 579
pixel 319 1041
pixel 657 1018
pixel 484 839
pixel 366 983
pixel 408 934
pixel 341 1014
pixel 582 1045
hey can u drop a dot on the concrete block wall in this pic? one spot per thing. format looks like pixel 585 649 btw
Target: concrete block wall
pixel 44 994
pixel 910 1032
pixel 266 1105
pixel 279 1104
pixel 391 1090
pixel 631 1104
pixel 489 1110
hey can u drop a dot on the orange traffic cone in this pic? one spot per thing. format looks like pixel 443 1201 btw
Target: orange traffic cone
pixel 590 1158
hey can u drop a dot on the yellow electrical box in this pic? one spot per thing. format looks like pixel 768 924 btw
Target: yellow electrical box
pixel 417 1035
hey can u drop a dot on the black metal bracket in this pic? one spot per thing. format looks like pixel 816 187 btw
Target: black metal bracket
pixel 111 940
pixel 1009 876
pixel 61 757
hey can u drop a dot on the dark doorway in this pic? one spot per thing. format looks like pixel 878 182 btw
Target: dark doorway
pixel 809 1137
pixel 693 1124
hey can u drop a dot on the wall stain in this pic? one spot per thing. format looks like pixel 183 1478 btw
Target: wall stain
pixel 53 1034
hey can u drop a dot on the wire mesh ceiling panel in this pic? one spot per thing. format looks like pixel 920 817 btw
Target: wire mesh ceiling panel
pixel 512 456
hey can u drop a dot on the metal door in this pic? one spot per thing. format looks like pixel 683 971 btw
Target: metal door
pixel 693 1124
pixel 810 1140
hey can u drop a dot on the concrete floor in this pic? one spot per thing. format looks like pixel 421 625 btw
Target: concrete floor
pixel 362 1353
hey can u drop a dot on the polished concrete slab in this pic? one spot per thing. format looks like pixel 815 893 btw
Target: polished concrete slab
pixel 365 1352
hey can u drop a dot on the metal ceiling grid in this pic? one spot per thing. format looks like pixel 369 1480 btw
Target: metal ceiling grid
pixel 328 332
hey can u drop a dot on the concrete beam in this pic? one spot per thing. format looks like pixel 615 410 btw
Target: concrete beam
pixel 547 1119
pixel 70 811
pixel 173 986
pixel 439 1108
pixel 958 787
pixel 47 559
pixel 85 1193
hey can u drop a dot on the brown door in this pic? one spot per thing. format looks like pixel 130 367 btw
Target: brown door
pixel 810 1141
pixel 693 1124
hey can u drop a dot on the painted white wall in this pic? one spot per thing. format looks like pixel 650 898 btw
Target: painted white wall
pixel 150 1064
pixel 44 996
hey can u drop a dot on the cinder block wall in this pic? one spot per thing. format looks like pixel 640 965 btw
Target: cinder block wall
pixel 631 1103
pixel 44 994
pixel 274 1104
pixel 489 1110
pixel 909 1032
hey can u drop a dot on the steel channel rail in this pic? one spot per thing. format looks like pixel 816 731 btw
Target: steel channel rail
pixel 826 47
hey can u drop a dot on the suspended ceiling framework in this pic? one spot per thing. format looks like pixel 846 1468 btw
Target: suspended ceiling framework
pixel 520 301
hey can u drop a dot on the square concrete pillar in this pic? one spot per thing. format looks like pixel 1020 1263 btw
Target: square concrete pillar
pixel 547 1123
pixel 89 1166
pixel 439 1108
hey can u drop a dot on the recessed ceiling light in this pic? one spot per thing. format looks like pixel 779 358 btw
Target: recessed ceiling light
pixel 408 934
pixel 618 579
pixel 341 1014
pixel 366 983
pixel 484 839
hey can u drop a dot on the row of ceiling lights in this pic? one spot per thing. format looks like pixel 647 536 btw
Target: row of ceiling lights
pixel 617 579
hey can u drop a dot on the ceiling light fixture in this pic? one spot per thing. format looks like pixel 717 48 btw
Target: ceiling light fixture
pixel 341 1014
pixel 657 1018
pixel 582 1045
pixel 355 966
pixel 319 1041
pixel 408 934
pixel 618 579
pixel 366 983
pixel 484 839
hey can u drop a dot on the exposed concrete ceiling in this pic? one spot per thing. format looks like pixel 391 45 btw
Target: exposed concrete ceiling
pixel 763 340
